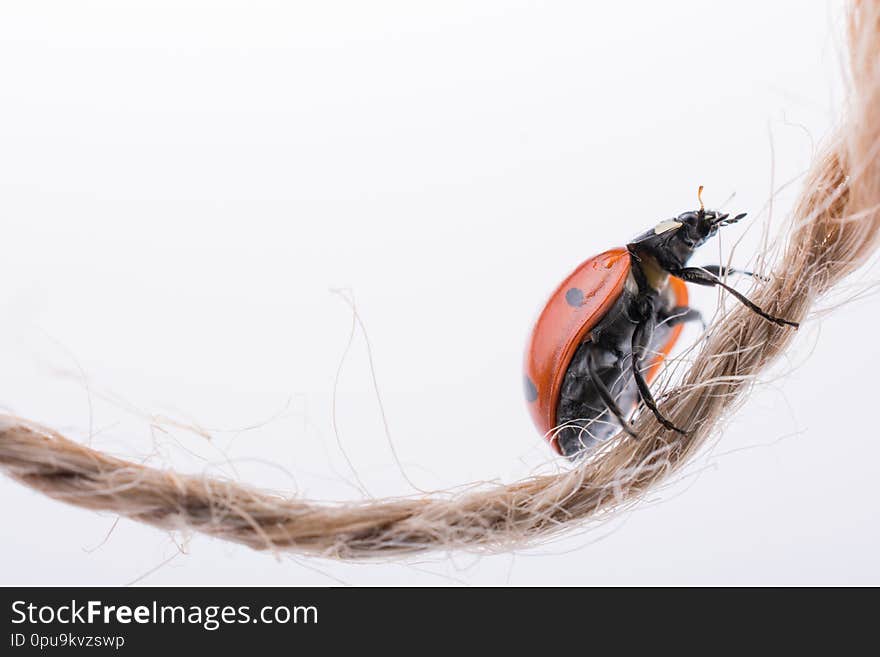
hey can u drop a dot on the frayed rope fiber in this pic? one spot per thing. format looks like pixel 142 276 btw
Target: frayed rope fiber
pixel 833 231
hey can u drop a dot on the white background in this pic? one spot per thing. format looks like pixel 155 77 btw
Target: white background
pixel 182 184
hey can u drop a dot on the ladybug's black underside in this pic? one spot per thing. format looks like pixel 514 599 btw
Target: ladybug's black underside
pixel 584 416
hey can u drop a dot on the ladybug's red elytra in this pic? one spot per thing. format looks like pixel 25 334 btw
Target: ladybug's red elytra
pixel 603 334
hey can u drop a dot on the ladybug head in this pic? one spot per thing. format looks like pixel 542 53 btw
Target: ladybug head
pixel 674 241
pixel 698 226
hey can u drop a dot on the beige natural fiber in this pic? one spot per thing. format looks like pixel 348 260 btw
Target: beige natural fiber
pixel 834 230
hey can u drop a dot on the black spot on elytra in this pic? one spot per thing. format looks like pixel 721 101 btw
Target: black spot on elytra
pixel 574 297
pixel 531 390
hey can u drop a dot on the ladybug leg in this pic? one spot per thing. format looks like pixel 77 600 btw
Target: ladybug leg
pixel 605 395
pixel 722 270
pixel 700 276
pixel 682 315
pixel 640 341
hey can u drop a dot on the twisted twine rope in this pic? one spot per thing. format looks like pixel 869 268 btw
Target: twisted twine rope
pixel 833 231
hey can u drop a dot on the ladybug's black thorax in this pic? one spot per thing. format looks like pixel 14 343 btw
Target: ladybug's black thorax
pixel 666 250
pixel 649 274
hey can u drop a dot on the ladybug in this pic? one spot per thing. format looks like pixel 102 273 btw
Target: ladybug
pixel 602 336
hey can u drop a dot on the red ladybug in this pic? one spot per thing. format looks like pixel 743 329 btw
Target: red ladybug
pixel 601 338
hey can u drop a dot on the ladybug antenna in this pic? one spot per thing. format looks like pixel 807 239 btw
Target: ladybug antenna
pixel 724 221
